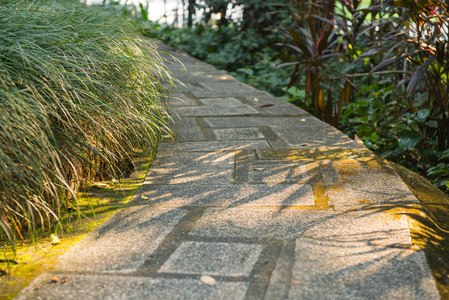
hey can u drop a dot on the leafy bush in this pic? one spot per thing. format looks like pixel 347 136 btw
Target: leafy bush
pixel 412 40
pixel 79 92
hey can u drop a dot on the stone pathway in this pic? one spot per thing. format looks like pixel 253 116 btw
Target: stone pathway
pixel 261 196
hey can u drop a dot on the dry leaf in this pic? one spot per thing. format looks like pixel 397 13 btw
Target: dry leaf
pixel 208 280
pixel 54 239
pixel 64 279
pixel 296 281
pixel 256 99
pixel 54 279
pixel 415 248
pixel 144 197
pixel 258 169
pixel 266 105
pixel 302 120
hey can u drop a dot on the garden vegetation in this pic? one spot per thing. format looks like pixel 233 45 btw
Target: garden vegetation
pixel 80 91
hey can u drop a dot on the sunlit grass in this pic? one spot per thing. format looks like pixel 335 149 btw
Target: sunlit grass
pixel 79 92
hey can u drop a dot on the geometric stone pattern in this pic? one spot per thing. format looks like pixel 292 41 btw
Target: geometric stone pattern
pixel 192 168
pixel 138 231
pixel 238 134
pixel 260 195
pixel 220 259
pixel 236 195
pixel 119 287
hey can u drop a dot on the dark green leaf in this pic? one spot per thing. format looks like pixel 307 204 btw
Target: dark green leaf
pixel 409 139
pixel 423 114
pixel 416 78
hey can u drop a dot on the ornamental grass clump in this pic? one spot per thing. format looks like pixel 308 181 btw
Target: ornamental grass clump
pixel 79 92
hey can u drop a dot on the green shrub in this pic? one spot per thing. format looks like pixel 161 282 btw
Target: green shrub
pixel 79 92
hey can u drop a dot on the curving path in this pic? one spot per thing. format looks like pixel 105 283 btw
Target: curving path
pixel 259 195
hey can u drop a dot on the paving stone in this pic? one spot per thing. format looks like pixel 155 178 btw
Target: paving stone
pixel 215 145
pixel 319 154
pixel 365 256
pixel 178 100
pixel 330 174
pixel 323 271
pixel 124 242
pixel 192 168
pixel 187 129
pixel 216 110
pixel 226 85
pixel 272 107
pixel 235 122
pixel 233 91
pixel 364 183
pixel 216 259
pixel 228 196
pixel 314 136
pixel 238 134
pixel 355 255
pixel 203 71
pixel 281 277
pixel 191 86
pixel 366 227
pixel 220 101
pixel 119 287
pixel 277 173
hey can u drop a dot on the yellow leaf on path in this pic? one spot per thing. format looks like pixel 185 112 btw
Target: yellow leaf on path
pixel 144 197
pixel 258 169
pixel 302 120
pixel 208 280
pixel 256 99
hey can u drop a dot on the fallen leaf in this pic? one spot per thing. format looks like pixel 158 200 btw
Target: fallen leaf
pixel 266 105
pixel 208 280
pixel 101 184
pixel 256 99
pixel 258 169
pixel 54 239
pixel 64 279
pixel 54 279
pixel 415 248
pixel 144 197
pixel 296 281
pixel 302 120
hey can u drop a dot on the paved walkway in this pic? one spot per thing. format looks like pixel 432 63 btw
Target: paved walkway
pixel 260 196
